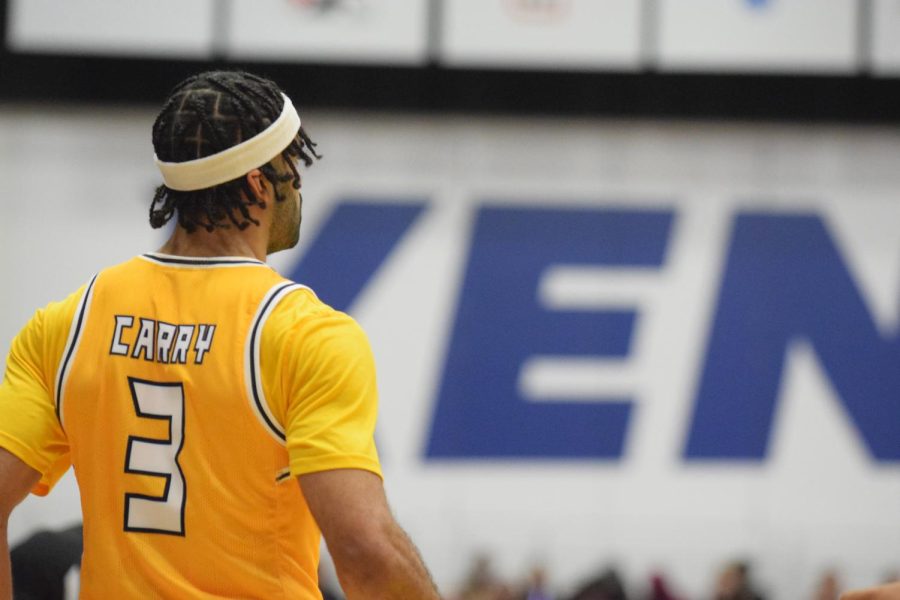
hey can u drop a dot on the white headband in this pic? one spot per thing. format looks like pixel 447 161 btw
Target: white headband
pixel 238 160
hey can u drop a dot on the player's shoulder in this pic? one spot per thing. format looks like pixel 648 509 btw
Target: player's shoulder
pixel 314 339
pixel 302 314
pixel 300 306
pixel 45 333
pixel 60 313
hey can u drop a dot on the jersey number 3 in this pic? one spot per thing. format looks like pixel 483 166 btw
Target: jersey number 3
pixel 157 458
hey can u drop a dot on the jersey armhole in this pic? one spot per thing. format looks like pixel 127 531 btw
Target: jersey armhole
pixel 71 348
pixel 252 371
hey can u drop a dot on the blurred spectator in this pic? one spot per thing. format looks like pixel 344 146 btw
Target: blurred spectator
pixel 41 562
pixel 888 591
pixel 537 585
pixel 608 586
pixel 482 584
pixel 829 587
pixel 659 589
pixel 734 583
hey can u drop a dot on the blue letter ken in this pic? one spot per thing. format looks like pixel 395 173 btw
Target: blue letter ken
pixel 480 411
pixel 784 281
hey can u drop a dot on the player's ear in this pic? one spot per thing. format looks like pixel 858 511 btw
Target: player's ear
pixel 258 185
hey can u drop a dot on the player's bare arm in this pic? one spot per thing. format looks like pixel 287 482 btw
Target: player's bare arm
pixel 16 479
pixel 374 558
pixel 885 592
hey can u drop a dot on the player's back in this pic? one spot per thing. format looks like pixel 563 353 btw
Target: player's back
pixel 184 481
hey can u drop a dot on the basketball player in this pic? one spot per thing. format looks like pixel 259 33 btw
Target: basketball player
pixel 191 388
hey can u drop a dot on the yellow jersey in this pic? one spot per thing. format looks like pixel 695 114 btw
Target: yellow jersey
pixel 187 393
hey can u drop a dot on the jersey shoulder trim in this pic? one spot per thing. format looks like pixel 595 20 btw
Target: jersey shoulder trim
pixel 251 358
pixel 71 346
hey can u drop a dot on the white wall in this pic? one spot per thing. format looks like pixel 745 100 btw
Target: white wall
pixel 77 183
pixel 130 27
pixel 767 35
pixel 757 36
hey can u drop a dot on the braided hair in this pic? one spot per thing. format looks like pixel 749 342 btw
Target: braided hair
pixel 208 113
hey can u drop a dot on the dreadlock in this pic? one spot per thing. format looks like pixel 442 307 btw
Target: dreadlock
pixel 208 113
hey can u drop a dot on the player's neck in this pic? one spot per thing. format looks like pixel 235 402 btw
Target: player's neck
pixel 221 242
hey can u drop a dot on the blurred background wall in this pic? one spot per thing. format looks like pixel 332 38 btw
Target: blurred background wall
pixel 630 268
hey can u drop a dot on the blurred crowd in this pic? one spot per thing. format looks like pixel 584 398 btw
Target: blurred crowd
pixel 734 581
pixel 42 566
